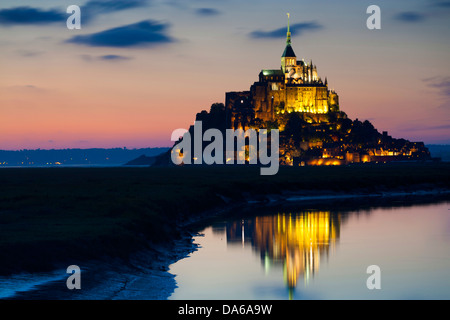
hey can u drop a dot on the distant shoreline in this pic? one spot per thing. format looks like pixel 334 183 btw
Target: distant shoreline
pixel 74 157
pixel 116 156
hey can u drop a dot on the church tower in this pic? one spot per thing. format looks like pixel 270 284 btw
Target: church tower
pixel 288 59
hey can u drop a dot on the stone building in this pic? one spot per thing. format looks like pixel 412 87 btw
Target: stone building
pixel 312 128
pixel 295 87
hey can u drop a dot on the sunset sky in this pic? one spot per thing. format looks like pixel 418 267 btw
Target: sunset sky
pixel 139 69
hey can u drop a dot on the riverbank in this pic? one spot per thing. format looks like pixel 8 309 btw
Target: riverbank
pixel 52 218
pixel 148 275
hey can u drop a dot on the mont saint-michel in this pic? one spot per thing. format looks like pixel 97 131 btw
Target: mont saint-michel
pixel 93 207
pixel 314 130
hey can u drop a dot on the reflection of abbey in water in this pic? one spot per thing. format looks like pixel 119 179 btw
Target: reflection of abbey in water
pixel 296 242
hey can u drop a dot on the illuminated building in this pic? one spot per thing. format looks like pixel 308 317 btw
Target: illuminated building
pixel 313 130
pixel 294 87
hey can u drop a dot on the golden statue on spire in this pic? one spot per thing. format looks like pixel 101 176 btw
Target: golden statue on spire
pixel 288 14
pixel 288 36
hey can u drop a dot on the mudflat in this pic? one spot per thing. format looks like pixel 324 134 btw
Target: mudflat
pixel 53 216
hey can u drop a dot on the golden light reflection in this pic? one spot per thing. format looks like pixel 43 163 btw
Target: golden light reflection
pixel 294 241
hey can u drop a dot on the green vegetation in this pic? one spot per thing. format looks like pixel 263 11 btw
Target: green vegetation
pixel 59 215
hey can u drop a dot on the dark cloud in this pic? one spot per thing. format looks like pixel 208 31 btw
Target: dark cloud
pixel 30 16
pixel 427 128
pixel 444 126
pixel 113 57
pixel 440 83
pixel 144 33
pixel 206 12
pixel 33 16
pixel 27 88
pixel 442 4
pixel 107 57
pixel 29 53
pixel 114 5
pixel 93 8
pixel 410 16
pixel 296 29
pixel 24 86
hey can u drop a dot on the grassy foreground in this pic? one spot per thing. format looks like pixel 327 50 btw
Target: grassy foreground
pixel 68 215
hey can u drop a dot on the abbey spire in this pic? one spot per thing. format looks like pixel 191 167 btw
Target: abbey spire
pixel 288 35
pixel 288 58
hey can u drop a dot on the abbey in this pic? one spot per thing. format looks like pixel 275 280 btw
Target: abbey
pixel 311 127
pixel 295 87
